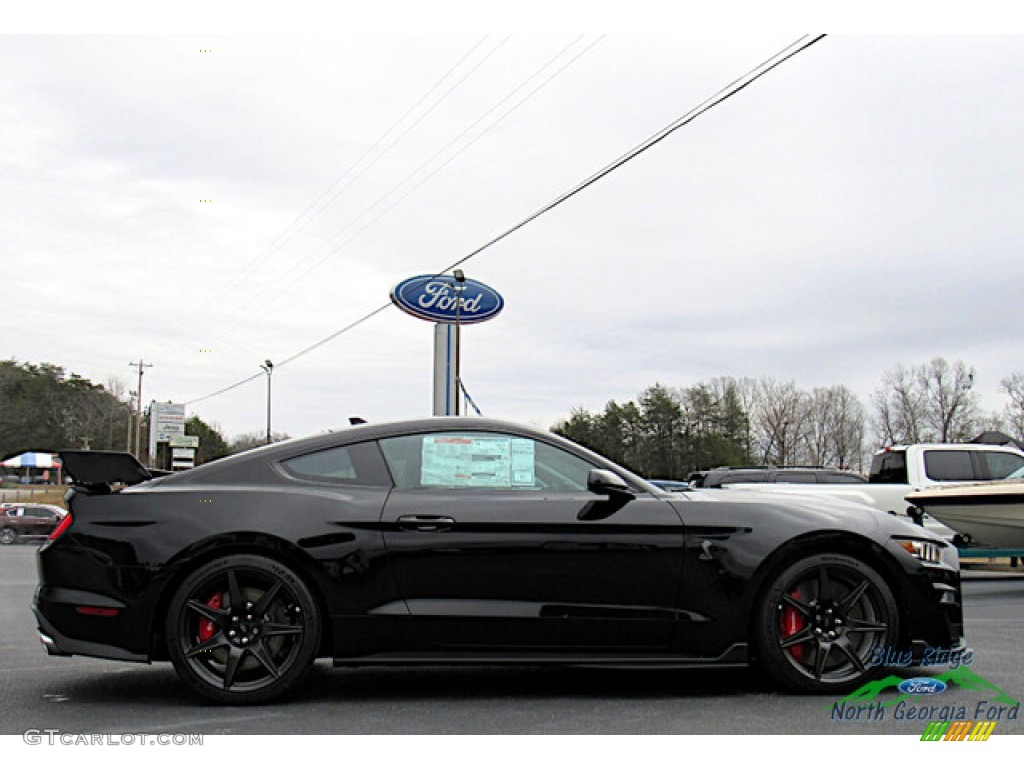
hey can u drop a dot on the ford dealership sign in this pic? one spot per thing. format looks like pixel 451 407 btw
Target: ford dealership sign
pixel 441 299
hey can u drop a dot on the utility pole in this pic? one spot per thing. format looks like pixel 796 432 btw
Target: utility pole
pixel 138 408
pixel 131 407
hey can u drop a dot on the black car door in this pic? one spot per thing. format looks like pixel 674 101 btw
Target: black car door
pixel 496 543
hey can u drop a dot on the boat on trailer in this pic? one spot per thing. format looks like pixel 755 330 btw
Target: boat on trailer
pixel 984 514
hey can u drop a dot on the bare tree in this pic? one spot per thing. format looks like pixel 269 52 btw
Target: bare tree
pixel 933 402
pixel 1013 385
pixel 899 407
pixel 250 440
pixel 848 430
pixel 779 416
pixel 951 407
pixel 834 428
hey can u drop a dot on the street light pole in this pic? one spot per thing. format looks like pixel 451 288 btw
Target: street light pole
pixel 268 368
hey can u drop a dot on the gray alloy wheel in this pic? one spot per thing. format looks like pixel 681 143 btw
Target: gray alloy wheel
pixel 822 622
pixel 243 629
pixel 8 536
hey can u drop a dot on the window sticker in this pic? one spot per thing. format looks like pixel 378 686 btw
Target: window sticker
pixel 477 461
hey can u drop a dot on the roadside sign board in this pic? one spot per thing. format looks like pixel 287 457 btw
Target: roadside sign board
pixel 166 420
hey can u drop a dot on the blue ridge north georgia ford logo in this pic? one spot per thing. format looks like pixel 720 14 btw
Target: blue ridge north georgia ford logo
pixel 442 299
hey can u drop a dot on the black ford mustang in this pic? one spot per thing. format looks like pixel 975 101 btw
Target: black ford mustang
pixel 457 540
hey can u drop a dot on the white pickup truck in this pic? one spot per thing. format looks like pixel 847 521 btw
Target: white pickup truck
pixel 897 471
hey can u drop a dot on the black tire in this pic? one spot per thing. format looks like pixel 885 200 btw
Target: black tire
pixel 243 629
pixel 821 623
pixel 8 536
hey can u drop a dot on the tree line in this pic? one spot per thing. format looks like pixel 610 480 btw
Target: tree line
pixel 45 408
pixel 671 432
pixel 667 432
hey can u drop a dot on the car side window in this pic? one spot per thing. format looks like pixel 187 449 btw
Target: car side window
pixel 1001 465
pixel 358 464
pixel 948 465
pixel 889 467
pixel 482 460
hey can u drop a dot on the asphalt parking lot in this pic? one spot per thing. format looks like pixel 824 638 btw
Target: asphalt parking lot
pixel 80 695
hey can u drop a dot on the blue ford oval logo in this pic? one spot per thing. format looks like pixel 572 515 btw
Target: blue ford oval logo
pixel 441 299
pixel 922 686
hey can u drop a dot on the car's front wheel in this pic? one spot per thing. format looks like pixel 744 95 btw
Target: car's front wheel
pixel 8 536
pixel 243 629
pixel 825 623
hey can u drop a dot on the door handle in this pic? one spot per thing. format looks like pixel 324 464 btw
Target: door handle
pixel 425 523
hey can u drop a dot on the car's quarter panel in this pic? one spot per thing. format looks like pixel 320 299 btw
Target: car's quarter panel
pixel 520 569
pixel 134 546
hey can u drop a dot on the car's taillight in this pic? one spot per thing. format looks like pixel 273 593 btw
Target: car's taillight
pixel 61 527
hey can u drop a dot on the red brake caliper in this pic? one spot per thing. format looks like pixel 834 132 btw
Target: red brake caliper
pixel 207 627
pixel 792 623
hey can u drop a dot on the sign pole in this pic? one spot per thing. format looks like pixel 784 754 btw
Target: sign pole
pixel 445 393
pixel 450 303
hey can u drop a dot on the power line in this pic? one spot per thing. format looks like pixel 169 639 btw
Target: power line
pixel 278 290
pixel 730 90
pixel 297 355
pixel 721 96
pixel 298 224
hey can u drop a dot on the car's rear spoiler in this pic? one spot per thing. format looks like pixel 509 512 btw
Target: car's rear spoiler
pixel 98 470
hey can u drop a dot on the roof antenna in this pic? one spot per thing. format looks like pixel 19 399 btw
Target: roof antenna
pixel 353 420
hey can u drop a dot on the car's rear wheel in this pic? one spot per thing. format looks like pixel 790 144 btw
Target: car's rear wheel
pixel 824 624
pixel 8 536
pixel 243 629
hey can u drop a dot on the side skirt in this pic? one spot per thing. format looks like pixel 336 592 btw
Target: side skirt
pixel 736 655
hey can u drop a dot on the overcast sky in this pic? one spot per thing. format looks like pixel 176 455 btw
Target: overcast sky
pixel 206 202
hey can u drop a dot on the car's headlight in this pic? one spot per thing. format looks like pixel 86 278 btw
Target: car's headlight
pixel 926 551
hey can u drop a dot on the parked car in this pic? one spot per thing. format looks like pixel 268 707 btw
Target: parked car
pixel 903 469
pixel 454 540
pixel 721 476
pixel 27 522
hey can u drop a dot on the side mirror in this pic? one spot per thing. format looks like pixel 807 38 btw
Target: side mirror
pixel 605 482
